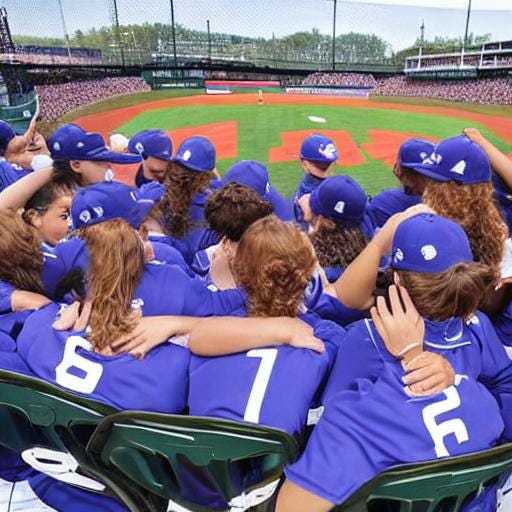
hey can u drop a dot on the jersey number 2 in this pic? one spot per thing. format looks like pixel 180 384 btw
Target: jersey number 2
pixel 91 371
pixel 268 358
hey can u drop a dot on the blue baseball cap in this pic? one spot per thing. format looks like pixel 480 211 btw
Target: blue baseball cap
pixel 250 173
pixel 414 151
pixel 6 135
pixel 70 142
pixel 196 153
pixel 456 159
pixel 429 243
pixel 318 148
pixel 339 198
pixel 109 200
pixel 153 143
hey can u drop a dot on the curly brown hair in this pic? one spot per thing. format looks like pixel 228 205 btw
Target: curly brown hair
pixel 233 208
pixel 274 263
pixel 181 185
pixel 20 252
pixel 335 244
pixel 473 207
pixel 413 182
pixel 116 266
pixel 456 292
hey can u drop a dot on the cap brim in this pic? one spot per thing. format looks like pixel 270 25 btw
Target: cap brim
pixel 115 158
pixel 144 208
pixel 428 171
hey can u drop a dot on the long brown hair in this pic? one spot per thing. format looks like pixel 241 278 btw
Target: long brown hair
pixel 473 207
pixel 274 262
pixel 335 244
pixel 116 266
pixel 181 185
pixel 456 292
pixel 20 253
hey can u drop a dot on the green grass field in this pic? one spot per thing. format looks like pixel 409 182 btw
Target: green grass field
pixel 259 128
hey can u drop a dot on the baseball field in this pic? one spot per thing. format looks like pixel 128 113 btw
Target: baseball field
pixel 367 132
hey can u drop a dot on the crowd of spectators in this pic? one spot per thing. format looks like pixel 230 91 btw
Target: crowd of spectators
pixel 484 91
pixel 340 79
pixel 57 100
pixel 454 61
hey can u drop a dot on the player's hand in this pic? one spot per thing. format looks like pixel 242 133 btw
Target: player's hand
pixel 75 317
pixel 299 334
pixel 428 374
pixel 402 329
pixel 474 135
pixel 22 300
pixel 149 332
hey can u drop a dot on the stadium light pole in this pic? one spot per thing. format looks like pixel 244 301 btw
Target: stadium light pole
pixel 209 40
pixel 334 36
pixel 173 34
pixel 63 21
pixel 467 24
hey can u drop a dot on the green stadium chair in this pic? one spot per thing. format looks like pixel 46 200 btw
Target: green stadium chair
pixel 200 464
pixel 437 486
pixel 52 427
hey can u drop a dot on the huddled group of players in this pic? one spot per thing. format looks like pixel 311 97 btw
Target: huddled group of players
pixel 390 316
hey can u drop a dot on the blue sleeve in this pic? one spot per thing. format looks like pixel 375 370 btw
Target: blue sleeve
pixel 200 301
pixel 6 290
pixel 496 373
pixel 168 254
pixel 330 308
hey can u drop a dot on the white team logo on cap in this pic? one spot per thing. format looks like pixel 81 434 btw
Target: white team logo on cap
pixel 423 155
pixel 459 168
pixel 80 144
pixel 139 147
pixel 98 210
pixel 434 158
pixel 186 155
pixel 329 151
pixel 399 255
pixel 267 188
pixel 85 216
pixel 56 146
pixel 339 207
pixel 428 252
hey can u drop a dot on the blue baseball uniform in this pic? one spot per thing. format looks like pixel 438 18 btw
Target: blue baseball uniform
pixel 472 348
pixel 163 290
pixel 157 383
pixel 10 173
pixel 388 202
pixel 376 425
pixel 272 386
pixel 503 194
pixel 330 308
pixel 307 184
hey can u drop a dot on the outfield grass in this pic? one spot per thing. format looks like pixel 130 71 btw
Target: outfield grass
pixel 259 129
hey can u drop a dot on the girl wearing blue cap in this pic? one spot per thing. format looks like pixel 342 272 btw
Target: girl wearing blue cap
pixel 187 188
pixel 369 416
pixel 81 158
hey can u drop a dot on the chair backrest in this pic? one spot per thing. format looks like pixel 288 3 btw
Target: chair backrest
pixel 199 463
pixel 445 485
pixel 50 428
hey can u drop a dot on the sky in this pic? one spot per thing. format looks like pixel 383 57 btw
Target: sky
pixel 396 21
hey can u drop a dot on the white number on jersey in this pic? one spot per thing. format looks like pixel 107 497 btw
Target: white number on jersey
pixel 268 358
pixel 92 371
pixel 439 431
pixel 59 465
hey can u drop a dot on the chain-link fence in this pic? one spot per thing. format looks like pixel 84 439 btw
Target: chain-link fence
pixel 277 33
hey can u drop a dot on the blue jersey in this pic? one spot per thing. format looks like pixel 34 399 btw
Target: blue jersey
pixel 157 383
pixel 10 173
pixel 283 208
pixel 503 195
pixel 163 290
pixel 472 348
pixel 382 206
pixel 307 184
pixel 503 326
pixel 376 425
pixel 164 253
pixel 274 386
